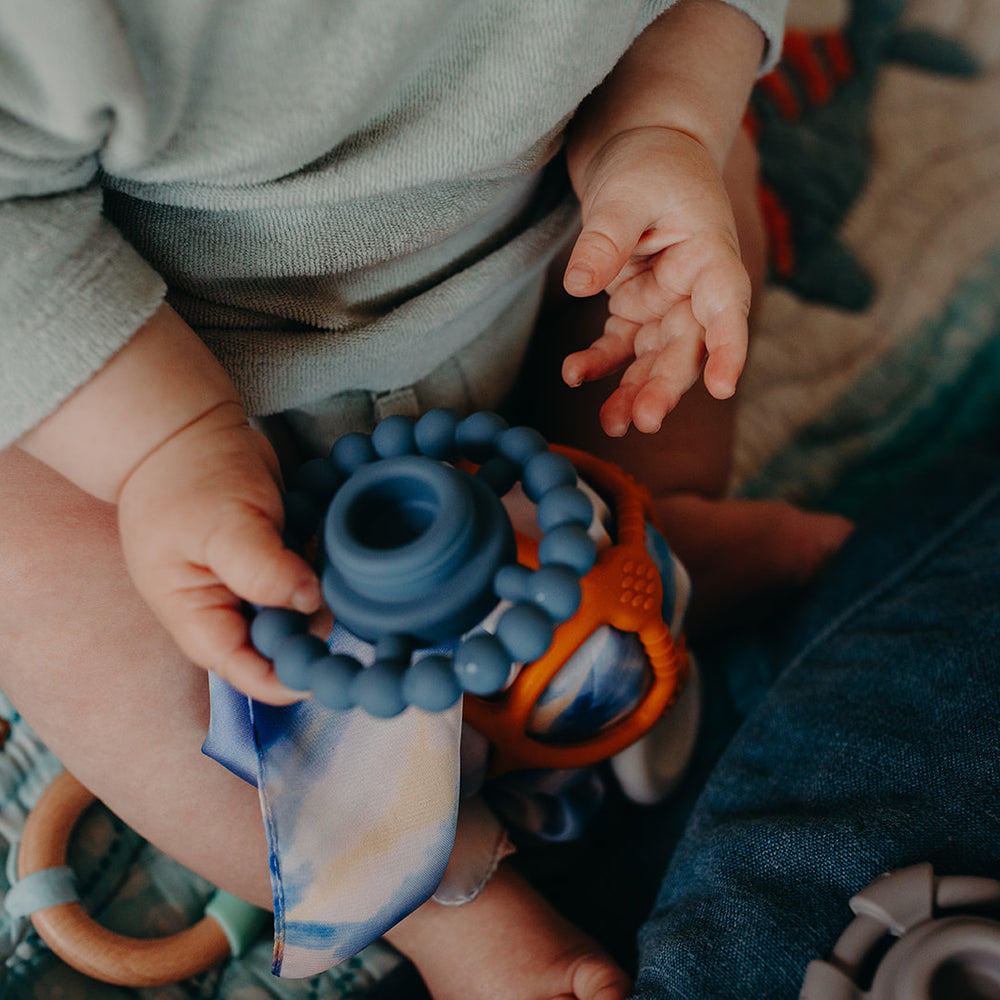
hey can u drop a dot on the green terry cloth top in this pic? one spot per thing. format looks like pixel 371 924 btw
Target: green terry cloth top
pixel 337 195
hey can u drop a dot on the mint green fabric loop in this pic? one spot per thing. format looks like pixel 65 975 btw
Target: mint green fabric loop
pixel 46 887
pixel 240 921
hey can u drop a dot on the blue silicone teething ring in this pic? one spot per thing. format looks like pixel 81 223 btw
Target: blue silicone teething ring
pixel 412 547
pixel 417 551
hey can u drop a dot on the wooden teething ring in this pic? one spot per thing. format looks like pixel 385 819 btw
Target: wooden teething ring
pixel 76 937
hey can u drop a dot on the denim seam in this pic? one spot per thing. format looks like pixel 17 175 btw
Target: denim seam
pixel 892 579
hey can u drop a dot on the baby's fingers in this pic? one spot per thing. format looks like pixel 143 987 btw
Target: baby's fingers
pixel 209 626
pixel 726 340
pixel 614 349
pixel 720 301
pixel 676 352
pixel 616 412
pixel 652 386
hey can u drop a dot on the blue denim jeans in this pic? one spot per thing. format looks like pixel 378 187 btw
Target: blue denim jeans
pixel 876 747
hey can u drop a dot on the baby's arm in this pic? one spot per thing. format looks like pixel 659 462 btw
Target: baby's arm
pixel 160 431
pixel 645 154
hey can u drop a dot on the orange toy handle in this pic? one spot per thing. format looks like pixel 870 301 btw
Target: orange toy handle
pixel 76 937
pixel 622 590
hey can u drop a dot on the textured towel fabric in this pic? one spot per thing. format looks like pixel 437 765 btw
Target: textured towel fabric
pixel 338 196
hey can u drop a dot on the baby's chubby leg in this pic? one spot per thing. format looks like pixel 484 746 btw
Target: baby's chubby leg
pixel 507 944
pixel 96 676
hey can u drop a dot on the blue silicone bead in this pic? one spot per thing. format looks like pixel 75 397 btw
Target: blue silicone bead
pixel 510 583
pixel 435 433
pixel 378 689
pixel 393 647
pixel 294 659
pixel 481 664
pixel 430 684
pixel 271 626
pixel 333 681
pixel 570 545
pixel 547 471
pixel 555 588
pixel 564 505
pixel 352 451
pixel 301 515
pixel 394 436
pixel 520 444
pixel 525 631
pixel 319 478
pixel 500 474
pixel 476 435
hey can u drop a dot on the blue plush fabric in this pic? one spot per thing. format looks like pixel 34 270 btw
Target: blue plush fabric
pixel 876 748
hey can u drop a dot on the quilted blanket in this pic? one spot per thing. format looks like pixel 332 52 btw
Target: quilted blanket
pixel 877 346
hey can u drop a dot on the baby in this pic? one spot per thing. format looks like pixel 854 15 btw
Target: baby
pixel 354 208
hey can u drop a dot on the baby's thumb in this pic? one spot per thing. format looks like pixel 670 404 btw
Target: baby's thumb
pixel 249 557
pixel 609 237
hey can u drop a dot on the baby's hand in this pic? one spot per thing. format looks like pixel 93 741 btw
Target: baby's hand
pixel 200 521
pixel 659 236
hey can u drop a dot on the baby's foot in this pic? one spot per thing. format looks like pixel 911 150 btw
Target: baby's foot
pixel 746 555
pixel 508 944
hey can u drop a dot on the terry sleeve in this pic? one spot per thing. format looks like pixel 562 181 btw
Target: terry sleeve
pixel 769 15
pixel 72 290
